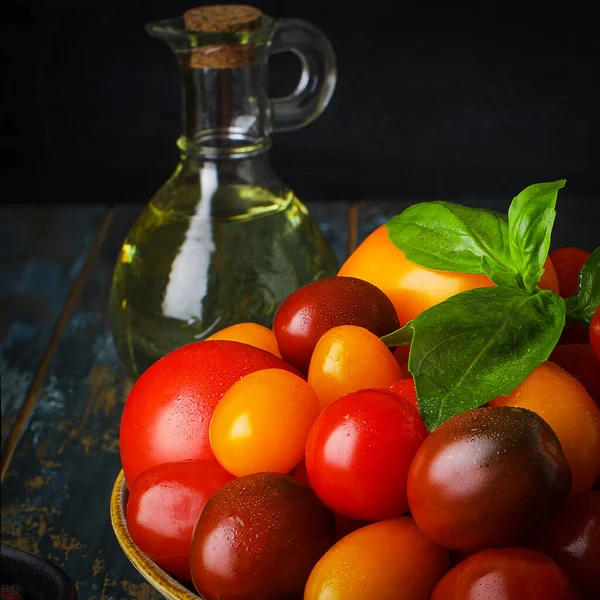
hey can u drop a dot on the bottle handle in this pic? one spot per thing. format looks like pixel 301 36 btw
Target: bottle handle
pixel 318 78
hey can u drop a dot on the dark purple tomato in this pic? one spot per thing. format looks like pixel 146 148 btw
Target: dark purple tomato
pixel 572 539
pixel 488 477
pixel 163 507
pixel 258 538
pixel 306 314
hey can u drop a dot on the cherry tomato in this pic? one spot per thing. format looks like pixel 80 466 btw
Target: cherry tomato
pixel 359 451
pixel 580 361
pixel 306 314
pixel 262 422
pixel 300 473
pixel 568 262
pixel 505 574
pixel 595 333
pixel 387 560
pixel 406 389
pixel 249 333
pixel 566 406
pixel 258 538
pixel 574 333
pixel 487 478
pixel 163 507
pixel 401 355
pixel 572 539
pixel 412 288
pixel 168 411
pixel 350 358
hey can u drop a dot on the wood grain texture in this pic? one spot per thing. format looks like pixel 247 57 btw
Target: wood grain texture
pixel 42 252
pixel 55 496
pixel 332 218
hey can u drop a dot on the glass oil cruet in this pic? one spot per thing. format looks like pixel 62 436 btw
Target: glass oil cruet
pixel 224 240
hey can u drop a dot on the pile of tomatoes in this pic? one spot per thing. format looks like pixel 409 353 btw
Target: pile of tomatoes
pixel 293 462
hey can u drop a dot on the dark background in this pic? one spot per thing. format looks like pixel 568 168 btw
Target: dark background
pixel 479 99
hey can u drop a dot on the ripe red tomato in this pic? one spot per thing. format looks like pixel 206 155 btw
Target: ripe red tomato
pixel 306 314
pixel 505 574
pixel 568 262
pixel 580 361
pixel 572 539
pixel 163 507
pixel 168 411
pixel 574 333
pixel 359 451
pixel 595 333
pixel 406 389
pixel 258 538
pixel 401 355
pixel 487 478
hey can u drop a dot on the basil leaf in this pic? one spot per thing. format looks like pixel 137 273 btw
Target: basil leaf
pixel 449 237
pixel 478 345
pixel 502 276
pixel 530 220
pixel 400 337
pixel 588 294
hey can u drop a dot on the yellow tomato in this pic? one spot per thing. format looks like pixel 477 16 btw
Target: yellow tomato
pixel 262 423
pixel 387 560
pixel 412 288
pixel 349 358
pixel 566 406
pixel 252 334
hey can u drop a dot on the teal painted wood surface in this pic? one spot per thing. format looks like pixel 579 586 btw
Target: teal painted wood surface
pixel 55 494
pixel 42 252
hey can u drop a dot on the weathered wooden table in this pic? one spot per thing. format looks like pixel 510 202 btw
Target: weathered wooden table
pixel 62 388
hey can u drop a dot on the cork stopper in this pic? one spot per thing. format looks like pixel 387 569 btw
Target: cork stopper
pixel 223 18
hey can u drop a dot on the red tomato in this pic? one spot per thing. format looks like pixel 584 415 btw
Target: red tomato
pixel 359 451
pixel 406 389
pixel 574 333
pixel 300 473
pixel 343 525
pixel 401 355
pixel 305 315
pixel 168 411
pixel 164 505
pixel 572 539
pixel 568 262
pixel 580 361
pixel 595 333
pixel 505 574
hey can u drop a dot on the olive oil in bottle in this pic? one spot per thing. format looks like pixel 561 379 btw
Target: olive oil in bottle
pixel 224 240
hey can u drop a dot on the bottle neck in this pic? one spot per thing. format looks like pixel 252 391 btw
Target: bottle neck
pixel 225 112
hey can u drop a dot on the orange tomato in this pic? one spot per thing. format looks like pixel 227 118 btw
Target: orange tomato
pixel 387 560
pixel 262 422
pixel 349 358
pixel 252 334
pixel 566 406
pixel 412 288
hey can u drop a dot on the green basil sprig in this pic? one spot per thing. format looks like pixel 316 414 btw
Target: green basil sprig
pixel 584 304
pixel 530 220
pixel 483 343
pixel 510 251
pixel 478 345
